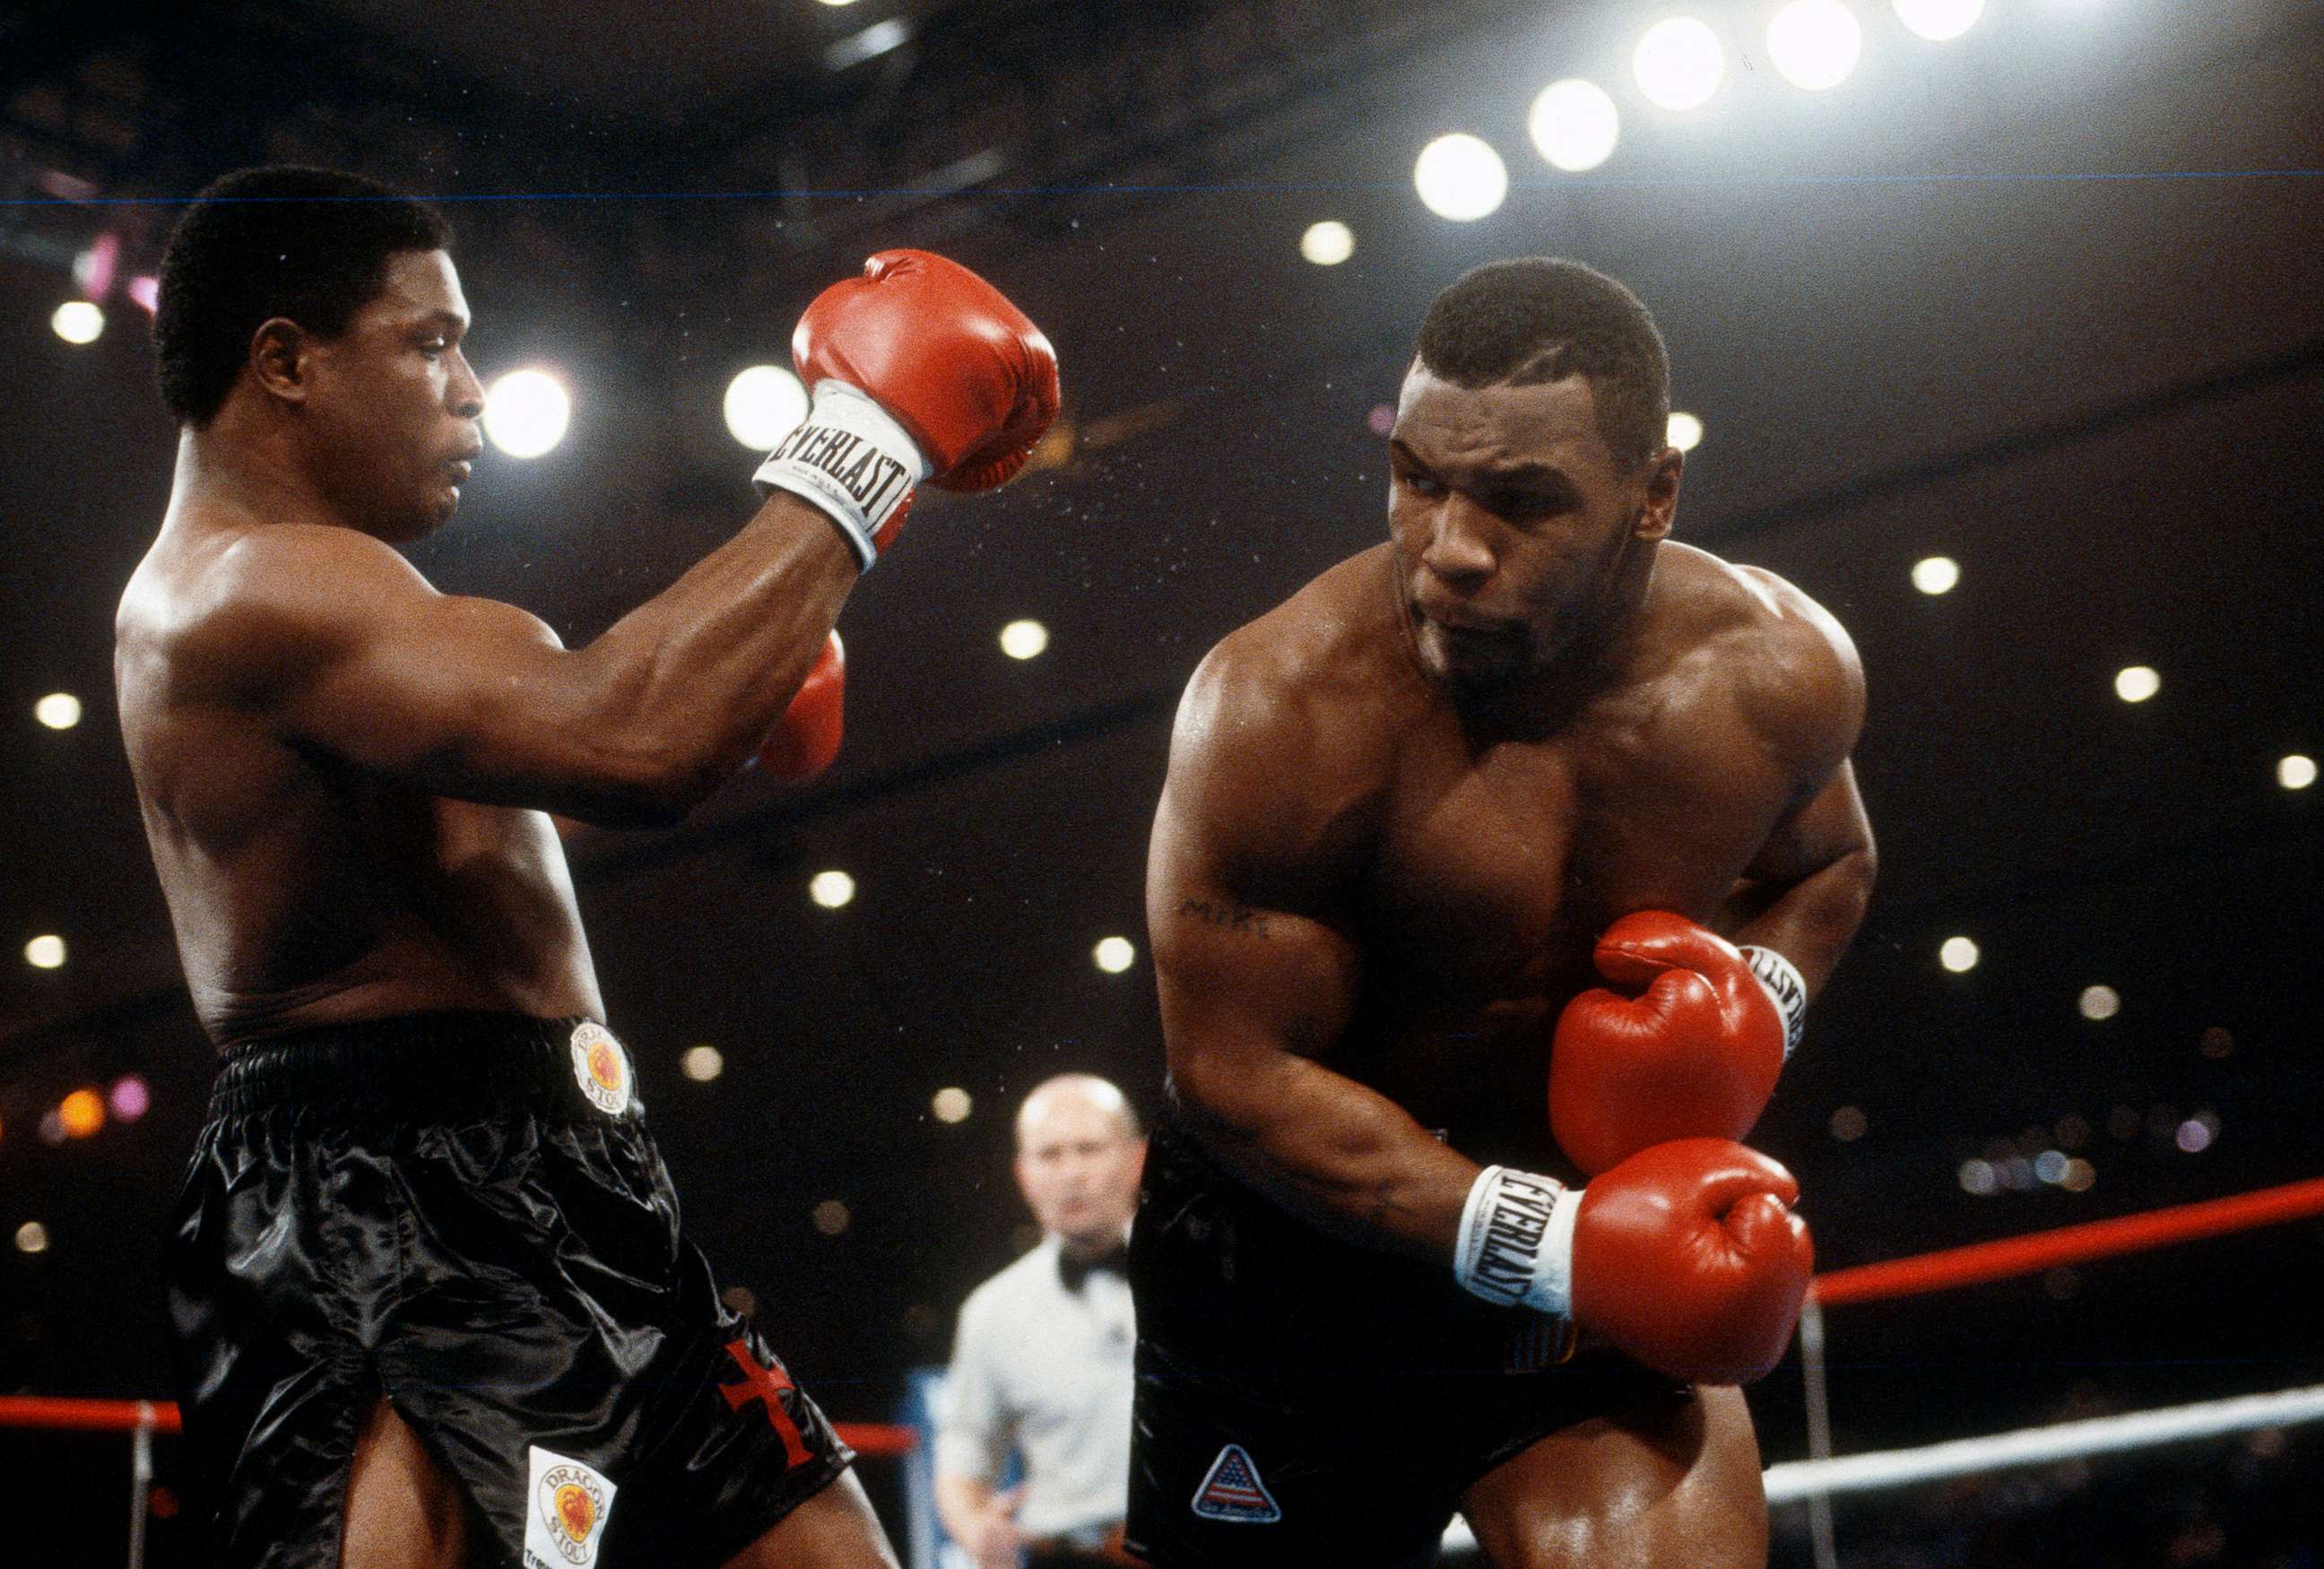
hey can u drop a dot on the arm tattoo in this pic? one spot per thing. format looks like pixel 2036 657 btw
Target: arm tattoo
pixel 1226 917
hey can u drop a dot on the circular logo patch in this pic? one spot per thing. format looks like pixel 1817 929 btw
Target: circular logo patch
pixel 601 1067
pixel 572 1505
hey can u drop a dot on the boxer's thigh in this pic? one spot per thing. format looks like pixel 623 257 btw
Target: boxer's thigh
pixel 1662 1484
pixel 402 1510
pixel 833 1529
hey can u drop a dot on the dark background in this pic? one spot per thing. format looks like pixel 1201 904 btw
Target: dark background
pixel 2045 300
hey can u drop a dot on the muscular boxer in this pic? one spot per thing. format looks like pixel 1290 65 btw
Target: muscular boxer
pixel 432 1304
pixel 1451 851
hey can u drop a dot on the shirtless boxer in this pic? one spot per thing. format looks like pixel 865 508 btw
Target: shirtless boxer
pixel 432 1304
pixel 1402 808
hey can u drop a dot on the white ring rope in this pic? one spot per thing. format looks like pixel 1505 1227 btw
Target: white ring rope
pixel 1795 1480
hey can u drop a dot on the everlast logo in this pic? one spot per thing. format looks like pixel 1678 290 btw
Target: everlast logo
pixel 866 473
pixel 1513 1236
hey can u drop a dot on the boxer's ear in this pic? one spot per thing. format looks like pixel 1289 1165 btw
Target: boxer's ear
pixel 280 353
pixel 1659 504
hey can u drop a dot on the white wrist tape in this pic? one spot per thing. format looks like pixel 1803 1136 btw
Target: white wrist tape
pixel 1516 1240
pixel 1785 987
pixel 850 458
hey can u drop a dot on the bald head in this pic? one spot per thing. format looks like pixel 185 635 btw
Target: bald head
pixel 1099 1094
pixel 1079 1153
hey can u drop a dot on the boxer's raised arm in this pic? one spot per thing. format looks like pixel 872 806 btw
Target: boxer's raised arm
pixel 1250 865
pixel 344 647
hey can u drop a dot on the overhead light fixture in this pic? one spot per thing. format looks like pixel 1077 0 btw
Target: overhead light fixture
pixel 1815 43
pixel 1461 177
pixel 1328 243
pixel 526 412
pixel 763 404
pixel 1679 63
pixel 1574 124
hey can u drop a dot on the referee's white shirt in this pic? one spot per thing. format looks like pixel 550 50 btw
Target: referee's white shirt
pixel 1047 1372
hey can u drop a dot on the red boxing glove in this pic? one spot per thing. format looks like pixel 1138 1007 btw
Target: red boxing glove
pixel 1688 1258
pixel 918 367
pixel 1694 1053
pixel 807 739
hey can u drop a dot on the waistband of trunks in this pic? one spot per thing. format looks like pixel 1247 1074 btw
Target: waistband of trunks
pixel 436 1065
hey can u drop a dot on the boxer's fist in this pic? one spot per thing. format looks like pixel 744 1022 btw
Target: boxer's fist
pixel 1687 1257
pixel 972 380
pixel 1688 1049
pixel 803 744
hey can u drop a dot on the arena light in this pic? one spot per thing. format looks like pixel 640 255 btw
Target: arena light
pixel 78 321
pixel 950 1104
pixel 831 890
pixel 2137 683
pixel 702 1063
pixel 1024 640
pixel 1957 955
pixel 1815 43
pixel 45 952
pixel 1461 177
pixel 1940 20
pixel 1685 432
pixel 764 404
pixel 1114 954
pixel 1328 243
pixel 1574 124
pixel 1848 1124
pixel 128 1099
pixel 81 1114
pixel 526 412
pixel 2098 1002
pixel 2295 771
pixel 58 710
pixel 2197 1133
pixel 31 1237
pixel 1977 1177
pixel 1679 63
pixel 1934 575
pixel 831 1217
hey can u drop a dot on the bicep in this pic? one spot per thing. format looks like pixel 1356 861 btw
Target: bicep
pixel 1827 827
pixel 361 659
pixel 1246 977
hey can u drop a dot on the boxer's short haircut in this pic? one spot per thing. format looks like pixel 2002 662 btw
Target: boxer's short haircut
pixel 1542 318
pixel 310 246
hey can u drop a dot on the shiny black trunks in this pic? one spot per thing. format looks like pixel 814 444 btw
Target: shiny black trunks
pixel 1303 1400
pixel 464 1214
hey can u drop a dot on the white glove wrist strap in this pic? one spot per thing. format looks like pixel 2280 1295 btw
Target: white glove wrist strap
pixel 1785 987
pixel 1516 1240
pixel 850 458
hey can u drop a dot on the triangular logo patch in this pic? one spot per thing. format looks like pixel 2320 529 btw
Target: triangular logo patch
pixel 1232 1491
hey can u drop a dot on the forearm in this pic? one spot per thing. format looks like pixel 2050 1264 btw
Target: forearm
pixel 960 1503
pixel 1339 1155
pixel 698 674
pixel 1812 921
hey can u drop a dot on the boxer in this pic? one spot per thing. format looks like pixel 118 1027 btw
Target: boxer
pixel 432 1303
pixel 1445 888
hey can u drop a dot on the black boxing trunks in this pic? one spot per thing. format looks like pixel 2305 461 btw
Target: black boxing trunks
pixel 1303 1400
pixel 464 1214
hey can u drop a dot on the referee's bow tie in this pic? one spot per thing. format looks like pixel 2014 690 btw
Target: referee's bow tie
pixel 1072 1271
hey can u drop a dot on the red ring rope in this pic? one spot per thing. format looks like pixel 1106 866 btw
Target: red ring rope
pixel 1994 1261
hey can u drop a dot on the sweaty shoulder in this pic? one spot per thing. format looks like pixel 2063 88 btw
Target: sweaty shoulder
pixel 1794 667
pixel 243 613
pixel 1287 733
